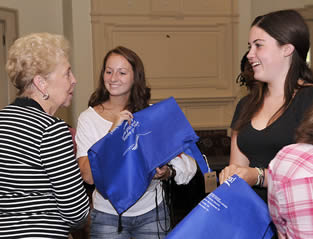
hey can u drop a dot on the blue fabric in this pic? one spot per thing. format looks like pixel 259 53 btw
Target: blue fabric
pixel 233 210
pixel 123 162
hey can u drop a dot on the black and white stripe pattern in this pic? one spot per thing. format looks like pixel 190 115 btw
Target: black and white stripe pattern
pixel 41 190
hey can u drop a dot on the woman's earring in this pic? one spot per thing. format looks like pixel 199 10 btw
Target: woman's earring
pixel 45 96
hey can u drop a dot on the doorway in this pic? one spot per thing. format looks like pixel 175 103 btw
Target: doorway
pixel 8 33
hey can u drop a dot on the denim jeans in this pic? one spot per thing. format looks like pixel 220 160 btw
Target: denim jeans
pixel 151 225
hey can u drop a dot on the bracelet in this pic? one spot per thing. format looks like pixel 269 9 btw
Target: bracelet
pixel 261 176
pixel 172 171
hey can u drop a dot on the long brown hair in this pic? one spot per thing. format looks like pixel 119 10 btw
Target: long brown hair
pixel 140 92
pixel 286 27
pixel 304 133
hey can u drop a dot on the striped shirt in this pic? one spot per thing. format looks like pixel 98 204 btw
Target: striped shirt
pixel 290 191
pixel 41 190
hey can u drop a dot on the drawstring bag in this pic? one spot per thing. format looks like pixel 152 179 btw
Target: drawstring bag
pixel 123 162
pixel 233 210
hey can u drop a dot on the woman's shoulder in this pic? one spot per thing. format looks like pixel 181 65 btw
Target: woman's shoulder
pixel 242 101
pixel 305 93
pixel 92 114
pixel 307 88
pixel 86 112
pixel 40 118
pixel 302 101
pixel 238 109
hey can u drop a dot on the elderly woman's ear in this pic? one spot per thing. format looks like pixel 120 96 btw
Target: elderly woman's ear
pixel 40 84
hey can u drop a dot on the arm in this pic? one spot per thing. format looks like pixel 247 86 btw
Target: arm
pixel 185 168
pixel 239 164
pixel 85 170
pixel 293 216
pixel 86 136
pixel 274 205
pixel 163 173
pixel 236 156
pixel 59 163
pixel 89 131
pixel 290 197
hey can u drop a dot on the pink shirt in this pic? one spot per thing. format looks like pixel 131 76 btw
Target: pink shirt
pixel 290 191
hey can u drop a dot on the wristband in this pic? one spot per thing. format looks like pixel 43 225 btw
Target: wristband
pixel 172 171
pixel 261 176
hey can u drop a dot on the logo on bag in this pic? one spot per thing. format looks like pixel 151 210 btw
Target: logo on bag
pixel 230 180
pixel 128 131
pixel 214 202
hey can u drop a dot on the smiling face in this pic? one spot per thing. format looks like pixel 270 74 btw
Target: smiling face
pixel 118 76
pixel 266 56
pixel 60 84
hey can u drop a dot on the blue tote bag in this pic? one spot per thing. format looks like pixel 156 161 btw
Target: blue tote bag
pixel 233 210
pixel 123 162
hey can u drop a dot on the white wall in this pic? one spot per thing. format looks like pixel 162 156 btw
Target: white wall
pixel 264 6
pixel 37 15
pixel 82 56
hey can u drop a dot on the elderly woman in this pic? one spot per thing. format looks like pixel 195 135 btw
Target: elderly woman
pixel 41 190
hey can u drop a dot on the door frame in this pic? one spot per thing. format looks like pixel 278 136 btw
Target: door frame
pixel 10 18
